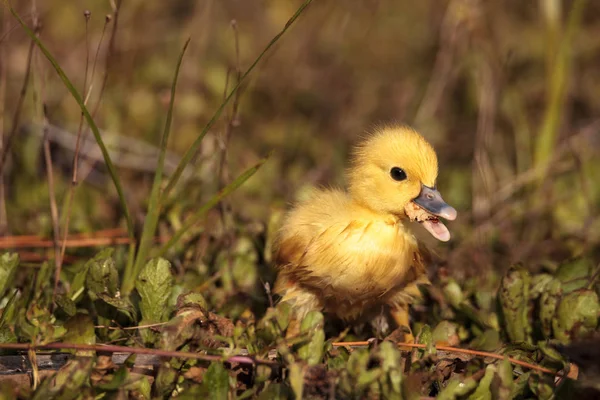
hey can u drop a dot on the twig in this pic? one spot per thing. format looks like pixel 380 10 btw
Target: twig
pixel 116 232
pixel 129 328
pixel 110 53
pixel 19 106
pixel 82 242
pixel 458 350
pixel 73 185
pixel 3 80
pixel 53 211
pixel 137 350
pixel 233 121
pixel 87 95
pixel 30 257
pixel 189 154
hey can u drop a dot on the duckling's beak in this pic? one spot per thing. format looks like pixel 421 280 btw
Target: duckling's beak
pixel 431 201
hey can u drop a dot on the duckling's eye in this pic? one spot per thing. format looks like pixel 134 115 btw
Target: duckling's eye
pixel 398 174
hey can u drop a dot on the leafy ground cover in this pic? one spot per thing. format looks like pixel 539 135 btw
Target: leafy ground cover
pixel 150 265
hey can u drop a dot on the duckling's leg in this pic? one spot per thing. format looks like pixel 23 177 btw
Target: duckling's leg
pixel 400 315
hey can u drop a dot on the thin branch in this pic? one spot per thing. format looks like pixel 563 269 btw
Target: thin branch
pixel 458 350
pixel 53 211
pixel 83 242
pixel 196 144
pixel 137 350
pixel 110 53
pixel 130 328
pixel 19 105
pixel 105 233
pixel 61 253
pixel 3 81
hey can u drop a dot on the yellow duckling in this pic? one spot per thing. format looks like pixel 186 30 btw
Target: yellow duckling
pixel 350 254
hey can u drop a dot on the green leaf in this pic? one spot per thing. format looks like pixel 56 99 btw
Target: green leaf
pixel 191 299
pixel 358 361
pixel 577 315
pixel 154 285
pixel 539 284
pixel 140 388
pixel 66 305
pixel 122 305
pixel 80 330
pixel 574 274
pixel 275 391
pixel 489 340
pixel 118 380
pixel 514 296
pixel 390 357
pixel 312 324
pixel 453 293
pixel 483 391
pixel 457 387
pixel 507 385
pixel 102 276
pixel 9 311
pixel 425 337
pixel 43 282
pixel 445 332
pixel 296 377
pixel 216 381
pixel 549 301
pixel 8 267
pixel 542 386
pixel 71 378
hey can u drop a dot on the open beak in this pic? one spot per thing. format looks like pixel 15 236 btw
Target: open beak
pixel 431 201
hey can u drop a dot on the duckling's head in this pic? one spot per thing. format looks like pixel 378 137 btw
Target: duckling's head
pixel 394 171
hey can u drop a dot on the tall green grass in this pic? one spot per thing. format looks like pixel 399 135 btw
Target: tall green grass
pixel 137 259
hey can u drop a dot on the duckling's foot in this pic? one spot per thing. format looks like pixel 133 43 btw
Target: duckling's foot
pixel 401 317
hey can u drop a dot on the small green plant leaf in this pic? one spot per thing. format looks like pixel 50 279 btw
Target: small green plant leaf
pixel 483 391
pixel 71 379
pixel 118 380
pixel 514 297
pixel 297 379
pixel 577 315
pixel 154 285
pixel 102 275
pixel 312 325
pixel 66 305
pixel 549 301
pixel 8 267
pixel 121 304
pixel 216 381
pixel 80 330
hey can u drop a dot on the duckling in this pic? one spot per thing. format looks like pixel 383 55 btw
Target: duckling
pixel 350 253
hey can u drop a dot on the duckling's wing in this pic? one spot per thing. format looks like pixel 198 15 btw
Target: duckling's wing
pixel 342 254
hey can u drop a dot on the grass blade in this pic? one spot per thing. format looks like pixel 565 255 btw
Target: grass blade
pixel 557 96
pixel 194 147
pixel 210 204
pixel 86 114
pixel 154 203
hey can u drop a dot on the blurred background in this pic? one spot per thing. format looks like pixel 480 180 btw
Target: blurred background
pixel 506 91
